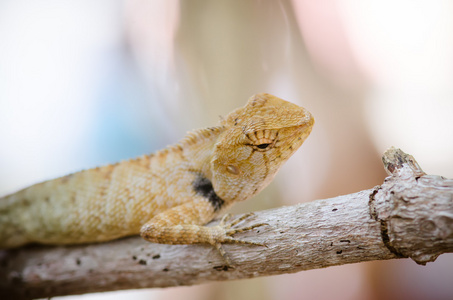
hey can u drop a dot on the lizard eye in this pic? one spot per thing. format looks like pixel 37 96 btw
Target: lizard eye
pixel 263 146
pixel 262 140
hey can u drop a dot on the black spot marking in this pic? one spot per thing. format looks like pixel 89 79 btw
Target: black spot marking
pixel 78 262
pixel 335 209
pixel 156 256
pixel 222 268
pixel 165 269
pixel 134 257
pixel 339 252
pixel 203 186
pixel 142 262
pixel 345 241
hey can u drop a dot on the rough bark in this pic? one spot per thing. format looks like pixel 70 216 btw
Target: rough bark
pixel 409 215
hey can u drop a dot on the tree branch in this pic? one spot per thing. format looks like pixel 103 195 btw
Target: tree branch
pixel 410 215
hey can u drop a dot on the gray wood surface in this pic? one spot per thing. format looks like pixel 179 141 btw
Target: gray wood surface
pixel 409 215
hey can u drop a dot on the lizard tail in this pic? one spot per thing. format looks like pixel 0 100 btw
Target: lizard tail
pixel 12 233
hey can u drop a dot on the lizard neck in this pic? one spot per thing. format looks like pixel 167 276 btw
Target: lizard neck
pixel 199 146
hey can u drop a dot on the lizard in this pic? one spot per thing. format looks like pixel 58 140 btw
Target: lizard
pixel 168 196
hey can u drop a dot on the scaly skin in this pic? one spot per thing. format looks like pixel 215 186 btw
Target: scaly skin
pixel 167 196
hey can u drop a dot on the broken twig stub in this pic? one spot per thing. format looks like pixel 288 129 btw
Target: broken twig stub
pixel 415 210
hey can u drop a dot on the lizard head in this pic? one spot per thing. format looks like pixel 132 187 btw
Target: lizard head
pixel 257 140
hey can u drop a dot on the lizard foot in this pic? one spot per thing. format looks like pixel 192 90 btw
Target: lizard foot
pixel 228 231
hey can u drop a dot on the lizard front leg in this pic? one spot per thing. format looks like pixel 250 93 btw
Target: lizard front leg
pixel 183 224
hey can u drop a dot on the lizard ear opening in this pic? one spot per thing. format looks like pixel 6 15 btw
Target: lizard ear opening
pixel 233 169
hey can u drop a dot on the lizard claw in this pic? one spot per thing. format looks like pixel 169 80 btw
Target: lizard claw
pixel 229 231
pixel 224 221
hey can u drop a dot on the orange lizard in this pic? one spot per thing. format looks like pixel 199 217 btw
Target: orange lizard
pixel 166 197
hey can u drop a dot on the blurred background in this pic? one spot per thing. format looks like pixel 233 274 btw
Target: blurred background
pixel 86 83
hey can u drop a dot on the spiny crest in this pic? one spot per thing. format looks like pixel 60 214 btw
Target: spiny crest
pixel 265 111
pixel 199 135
